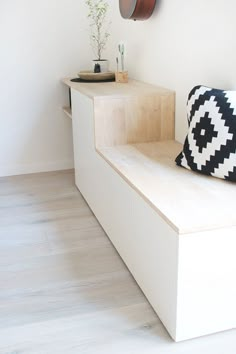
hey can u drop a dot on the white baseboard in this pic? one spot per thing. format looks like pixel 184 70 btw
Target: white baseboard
pixel 14 170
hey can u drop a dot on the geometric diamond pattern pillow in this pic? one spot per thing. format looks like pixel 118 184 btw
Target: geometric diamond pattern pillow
pixel 210 146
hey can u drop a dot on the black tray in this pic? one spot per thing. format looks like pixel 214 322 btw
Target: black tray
pixel 78 79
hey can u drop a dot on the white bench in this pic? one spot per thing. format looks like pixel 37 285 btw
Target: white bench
pixel 174 229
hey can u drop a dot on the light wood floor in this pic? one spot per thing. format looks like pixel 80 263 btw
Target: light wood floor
pixel 63 287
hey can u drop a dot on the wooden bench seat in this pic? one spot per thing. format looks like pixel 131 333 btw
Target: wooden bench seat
pixel 201 212
pixel 188 201
pixel 174 229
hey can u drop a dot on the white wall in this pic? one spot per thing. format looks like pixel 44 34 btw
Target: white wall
pixel 41 42
pixel 185 43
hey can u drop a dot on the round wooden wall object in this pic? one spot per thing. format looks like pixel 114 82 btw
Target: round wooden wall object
pixel 137 9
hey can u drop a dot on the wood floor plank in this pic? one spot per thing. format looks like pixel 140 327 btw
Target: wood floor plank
pixel 63 287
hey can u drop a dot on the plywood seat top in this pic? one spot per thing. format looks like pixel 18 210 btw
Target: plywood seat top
pixel 116 90
pixel 188 201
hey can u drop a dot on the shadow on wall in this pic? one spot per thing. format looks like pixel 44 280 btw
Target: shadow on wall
pixel 157 8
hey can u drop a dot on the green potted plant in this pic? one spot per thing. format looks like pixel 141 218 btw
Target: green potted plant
pixel 99 31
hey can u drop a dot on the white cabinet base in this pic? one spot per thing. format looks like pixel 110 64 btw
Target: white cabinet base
pixel 188 279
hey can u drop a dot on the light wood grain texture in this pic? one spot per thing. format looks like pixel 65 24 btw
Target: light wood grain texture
pixel 188 201
pixel 131 113
pixel 116 90
pixel 136 119
pixel 64 289
pixel 122 77
pixel 130 123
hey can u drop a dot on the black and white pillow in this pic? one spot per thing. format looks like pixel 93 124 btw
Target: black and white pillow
pixel 210 146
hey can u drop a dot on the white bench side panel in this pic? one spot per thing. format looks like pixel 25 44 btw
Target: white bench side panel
pixel 206 283
pixel 146 243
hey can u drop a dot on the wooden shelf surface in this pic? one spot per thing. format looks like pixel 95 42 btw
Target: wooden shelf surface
pixel 133 88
